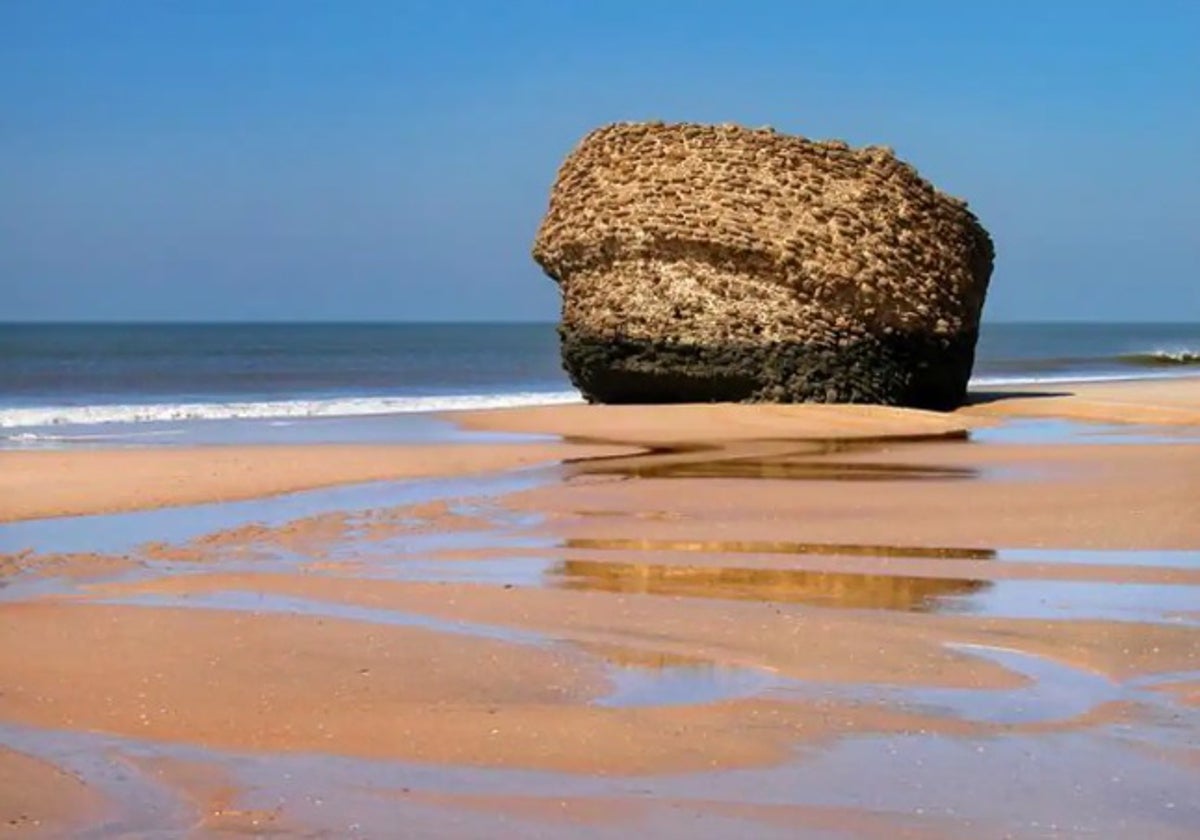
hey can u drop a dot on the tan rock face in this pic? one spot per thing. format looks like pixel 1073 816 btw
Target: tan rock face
pixel 706 263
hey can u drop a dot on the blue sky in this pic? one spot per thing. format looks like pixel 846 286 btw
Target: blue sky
pixel 390 161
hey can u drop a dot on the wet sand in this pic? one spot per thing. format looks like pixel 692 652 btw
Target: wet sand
pixel 58 483
pixel 708 621
pixel 36 797
pixel 1070 495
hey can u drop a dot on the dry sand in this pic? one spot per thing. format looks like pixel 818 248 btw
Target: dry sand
pixel 1173 401
pixel 708 425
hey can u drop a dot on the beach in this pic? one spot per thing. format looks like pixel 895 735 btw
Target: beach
pixel 599 421
pixel 698 620
pixel 56 483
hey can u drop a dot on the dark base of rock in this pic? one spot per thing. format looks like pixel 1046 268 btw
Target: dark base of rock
pixel 904 371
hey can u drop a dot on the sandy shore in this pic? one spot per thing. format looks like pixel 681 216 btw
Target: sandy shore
pixel 74 483
pixel 849 619
pixel 683 425
pixel 1173 401
pixel 71 483
pixel 1069 495
pixel 1169 401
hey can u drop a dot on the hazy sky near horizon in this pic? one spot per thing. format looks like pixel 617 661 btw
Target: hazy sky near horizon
pixel 249 159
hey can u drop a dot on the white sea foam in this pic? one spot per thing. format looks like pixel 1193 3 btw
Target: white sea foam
pixel 41 437
pixel 1065 378
pixel 89 415
pixel 1164 356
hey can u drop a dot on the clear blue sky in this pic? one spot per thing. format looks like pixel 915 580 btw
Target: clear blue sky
pixel 389 160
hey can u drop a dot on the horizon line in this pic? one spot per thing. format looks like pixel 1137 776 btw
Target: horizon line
pixel 50 322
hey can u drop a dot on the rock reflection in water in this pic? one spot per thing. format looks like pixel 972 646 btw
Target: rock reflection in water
pixel 788 460
pixel 784 469
pixel 781 547
pixel 834 589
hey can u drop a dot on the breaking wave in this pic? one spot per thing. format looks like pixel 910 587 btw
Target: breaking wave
pixel 1163 358
pixel 89 415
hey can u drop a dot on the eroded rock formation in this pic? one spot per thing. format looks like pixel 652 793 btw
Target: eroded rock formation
pixel 705 263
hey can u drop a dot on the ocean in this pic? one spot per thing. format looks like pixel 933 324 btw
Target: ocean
pixel 61 383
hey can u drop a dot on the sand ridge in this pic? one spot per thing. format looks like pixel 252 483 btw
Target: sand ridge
pixel 80 482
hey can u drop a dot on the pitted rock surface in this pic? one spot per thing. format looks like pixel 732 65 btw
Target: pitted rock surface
pixel 718 263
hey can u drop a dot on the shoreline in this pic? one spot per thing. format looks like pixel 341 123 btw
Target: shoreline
pixel 72 482
pixel 288 412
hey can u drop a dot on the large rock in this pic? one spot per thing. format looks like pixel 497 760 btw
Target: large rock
pixel 704 263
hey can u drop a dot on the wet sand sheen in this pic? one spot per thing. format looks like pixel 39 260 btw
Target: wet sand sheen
pixel 900 647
